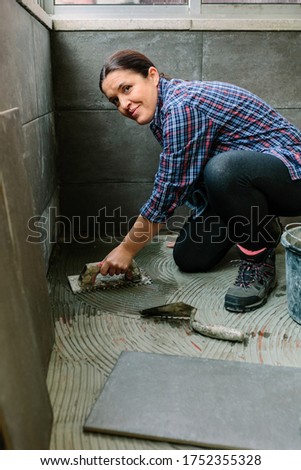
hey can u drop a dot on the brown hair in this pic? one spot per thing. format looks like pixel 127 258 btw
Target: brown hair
pixel 126 60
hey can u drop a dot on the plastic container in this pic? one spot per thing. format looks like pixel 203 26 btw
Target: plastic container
pixel 291 240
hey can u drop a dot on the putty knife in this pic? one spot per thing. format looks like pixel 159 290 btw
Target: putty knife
pixel 182 310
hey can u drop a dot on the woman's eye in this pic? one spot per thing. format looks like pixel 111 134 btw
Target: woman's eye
pixel 115 101
pixel 126 88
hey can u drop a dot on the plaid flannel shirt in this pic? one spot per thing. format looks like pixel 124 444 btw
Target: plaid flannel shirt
pixel 193 122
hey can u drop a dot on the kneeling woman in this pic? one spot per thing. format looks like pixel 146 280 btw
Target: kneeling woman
pixel 228 155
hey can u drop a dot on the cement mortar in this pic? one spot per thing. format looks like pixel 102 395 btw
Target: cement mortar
pixel 92 329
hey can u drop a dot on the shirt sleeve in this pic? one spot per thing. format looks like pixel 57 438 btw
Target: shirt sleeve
pixel 187 138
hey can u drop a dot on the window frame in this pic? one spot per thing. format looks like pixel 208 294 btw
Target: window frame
pixel 130 10
pixel 41 12
pixel 194 9
pixel 194 16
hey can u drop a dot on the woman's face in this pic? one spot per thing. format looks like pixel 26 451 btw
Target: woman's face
pixel 134 96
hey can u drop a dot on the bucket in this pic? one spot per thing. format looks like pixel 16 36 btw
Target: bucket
pixel 291 240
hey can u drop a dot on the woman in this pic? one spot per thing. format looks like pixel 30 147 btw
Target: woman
pixel 228 155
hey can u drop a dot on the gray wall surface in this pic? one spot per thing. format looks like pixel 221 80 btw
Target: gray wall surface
pixel 26 83
pixel 27 188
pixel 109 161
pixel 26 328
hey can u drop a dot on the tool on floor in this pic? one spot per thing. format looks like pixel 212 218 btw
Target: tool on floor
pixel 90 279
pixel 175 310
pixel 182 310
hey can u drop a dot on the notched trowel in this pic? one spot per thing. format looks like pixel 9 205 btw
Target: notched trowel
pixel 90 279
pixel 181 310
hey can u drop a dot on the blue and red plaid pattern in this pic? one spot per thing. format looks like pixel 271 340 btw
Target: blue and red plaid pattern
pixel 194 121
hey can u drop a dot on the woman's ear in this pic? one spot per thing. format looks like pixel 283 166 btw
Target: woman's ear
pixel 154 74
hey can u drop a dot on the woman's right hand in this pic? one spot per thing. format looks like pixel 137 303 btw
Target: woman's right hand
pixel 117 261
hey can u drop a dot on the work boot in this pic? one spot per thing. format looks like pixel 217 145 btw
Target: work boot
pixel 256 279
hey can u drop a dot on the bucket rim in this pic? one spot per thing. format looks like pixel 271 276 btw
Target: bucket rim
pixel 288 231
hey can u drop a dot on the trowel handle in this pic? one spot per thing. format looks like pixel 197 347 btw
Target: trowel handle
pixel 219 332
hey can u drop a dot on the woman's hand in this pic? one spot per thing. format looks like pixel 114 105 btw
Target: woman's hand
pixel 117 261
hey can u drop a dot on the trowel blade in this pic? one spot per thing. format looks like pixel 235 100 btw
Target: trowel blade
pixel 178 309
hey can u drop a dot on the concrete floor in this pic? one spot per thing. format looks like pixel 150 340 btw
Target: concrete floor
pixel 92 329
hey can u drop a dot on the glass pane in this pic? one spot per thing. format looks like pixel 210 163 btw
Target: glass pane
pixel 121 2
pixel 251 1
pixel 162 2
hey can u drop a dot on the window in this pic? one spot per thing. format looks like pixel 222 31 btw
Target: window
pixel 163 2
pixel 183 14
pixel 251 1
pixel 119 2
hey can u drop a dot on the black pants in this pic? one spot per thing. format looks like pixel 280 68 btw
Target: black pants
pixel 245 191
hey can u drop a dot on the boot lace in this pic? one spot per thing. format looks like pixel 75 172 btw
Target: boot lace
pixel 250 272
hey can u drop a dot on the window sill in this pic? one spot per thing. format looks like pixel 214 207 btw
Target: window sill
pixel 194 24
pixel 207 18
pixel 143 18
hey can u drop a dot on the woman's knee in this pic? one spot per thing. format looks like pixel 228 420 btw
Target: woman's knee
pixel 190 261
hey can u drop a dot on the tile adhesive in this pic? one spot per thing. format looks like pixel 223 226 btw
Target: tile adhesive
pixel 93 328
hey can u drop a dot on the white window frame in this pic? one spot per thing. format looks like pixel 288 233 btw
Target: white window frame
pixel 130 11
pixel 194 9
pixel 41 14
pixel 194 16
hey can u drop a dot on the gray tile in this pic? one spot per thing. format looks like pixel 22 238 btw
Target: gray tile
pixel 102 146
pixel 110 207
pixel 48 155
pixel 106 208
pixel 293 115
pixel 26 331
pixel 266 63
pixel 50 226
pixel 17 72
pixel 40 159
pixel 25 72
pixel 43 72
pixel 78 57
pixel 19 201
pixel 25 77
pixel 32 158
pixel 212 403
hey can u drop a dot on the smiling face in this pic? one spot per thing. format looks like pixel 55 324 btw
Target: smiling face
pixel 134 95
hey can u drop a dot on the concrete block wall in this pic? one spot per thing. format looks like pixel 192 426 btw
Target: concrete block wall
pixel 109 161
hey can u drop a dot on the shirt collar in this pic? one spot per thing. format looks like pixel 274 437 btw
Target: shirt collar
pixel 162 90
